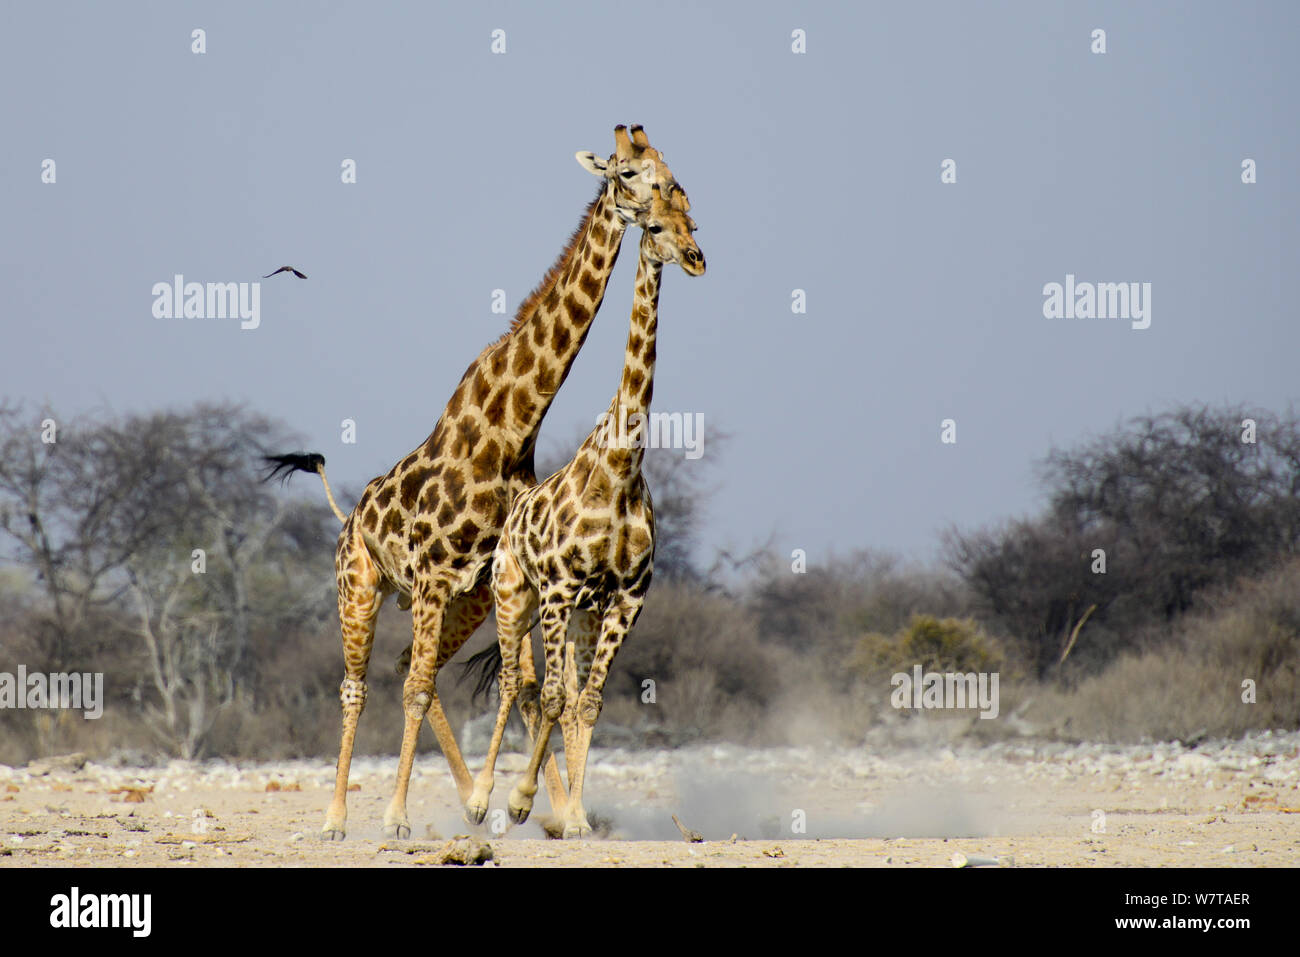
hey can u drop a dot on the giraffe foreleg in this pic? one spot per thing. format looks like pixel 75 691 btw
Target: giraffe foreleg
pixel 515 602
pixel 463 617
pixel 555 789
pixel 568 727
pixel 555 619
pixel 418 695
pixel 617 623
pixel 584 631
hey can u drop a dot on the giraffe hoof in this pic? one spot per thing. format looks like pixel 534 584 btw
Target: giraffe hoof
pixel 577 831
pixel 399 832
pixel 474 813
pixel 333 832
pixel 520 807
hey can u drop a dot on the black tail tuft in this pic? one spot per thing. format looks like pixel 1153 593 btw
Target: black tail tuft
pixel 484 666
pixel 283 466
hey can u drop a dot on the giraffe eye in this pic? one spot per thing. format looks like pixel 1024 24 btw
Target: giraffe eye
pixel 656 229
pixel 627 174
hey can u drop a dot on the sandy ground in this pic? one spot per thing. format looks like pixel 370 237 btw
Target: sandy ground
pixel 1028 804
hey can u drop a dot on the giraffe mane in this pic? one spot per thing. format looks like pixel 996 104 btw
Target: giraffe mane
pixel 529 306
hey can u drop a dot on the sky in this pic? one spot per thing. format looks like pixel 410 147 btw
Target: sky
pixel 819 171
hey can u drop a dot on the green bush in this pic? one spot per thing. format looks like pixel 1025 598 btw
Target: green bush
pixel 936 644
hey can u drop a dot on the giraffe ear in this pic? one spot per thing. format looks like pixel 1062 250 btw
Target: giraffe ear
pixel 592 163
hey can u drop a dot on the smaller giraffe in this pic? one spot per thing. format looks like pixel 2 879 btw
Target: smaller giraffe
pixel 580 547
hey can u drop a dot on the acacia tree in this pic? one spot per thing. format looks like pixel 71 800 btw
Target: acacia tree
pixel 1178 502
pixel 1032 581
pixel 73 513
pixel 199 588
pixel 160 523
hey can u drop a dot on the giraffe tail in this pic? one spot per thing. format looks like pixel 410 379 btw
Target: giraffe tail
pixel 485 666
pixel 283 466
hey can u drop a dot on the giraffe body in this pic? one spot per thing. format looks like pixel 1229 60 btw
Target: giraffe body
pixel 579 550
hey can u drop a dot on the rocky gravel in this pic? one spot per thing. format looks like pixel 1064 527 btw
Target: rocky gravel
pixel 1025 803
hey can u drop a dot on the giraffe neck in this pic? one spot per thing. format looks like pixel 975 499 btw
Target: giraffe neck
pixel 554 321
pixel 636 387
pixel 514 380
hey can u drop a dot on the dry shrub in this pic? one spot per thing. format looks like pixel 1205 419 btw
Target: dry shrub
pixel 1193 684
pixel 712 673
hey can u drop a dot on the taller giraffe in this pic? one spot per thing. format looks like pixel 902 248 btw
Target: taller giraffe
pixel 427 529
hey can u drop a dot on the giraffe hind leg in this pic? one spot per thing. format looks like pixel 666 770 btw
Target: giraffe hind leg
pixel 360 596
pixel 465 614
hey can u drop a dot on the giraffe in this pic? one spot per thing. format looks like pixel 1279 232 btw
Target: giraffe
pixel 427 529
pixel 581 547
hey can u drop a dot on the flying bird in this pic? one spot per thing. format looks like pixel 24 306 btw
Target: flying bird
pixel 300 275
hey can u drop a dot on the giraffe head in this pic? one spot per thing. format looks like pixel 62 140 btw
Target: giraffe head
pixel 632 172
pixel 668 230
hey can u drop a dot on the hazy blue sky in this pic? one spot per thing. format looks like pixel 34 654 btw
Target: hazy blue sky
pixel 818 171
